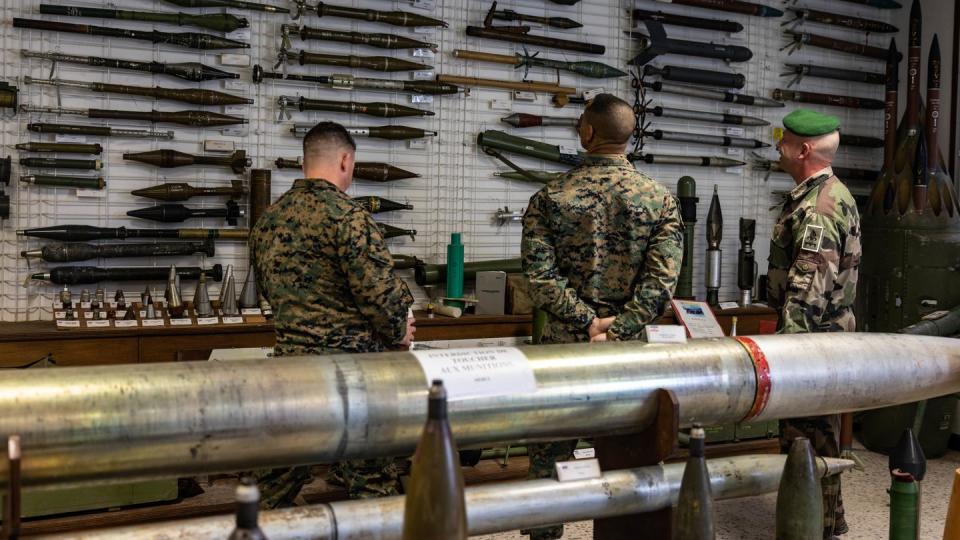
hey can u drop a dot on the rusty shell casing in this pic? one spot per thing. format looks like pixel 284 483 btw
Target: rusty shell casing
pixel 179 191
pixel 190 40
pixel 376 205
pixel 186 118
pixel 60 163
pixel 375 63
pixel 66 148
pixel 73 252
pixel 80 182
pixel 219 22
pixel 850 47
pixel 379 109
pixel 381 41
pixel 532 39
pixel 389 231
pixel 380 172
pixel 237 161
pixel 395 18
pixel 827 99
pixel 260 183
pixel 845 21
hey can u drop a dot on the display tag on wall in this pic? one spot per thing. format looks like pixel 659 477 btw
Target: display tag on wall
pixel 734 170
pixel 581 469
pixel 219 146
pixel 417 144
pixel 59 314
pixel 126 324
pixel 737 152
pixel 250 311
pixel 153 322
pixel 427 5
pixel 180 322
pixel 242 60
pixel 523 95
pixel 567 151
pixel 236 85
pixel 207 320
pixel 421 98
pixel 729 305
pixel 240 34
pixel 423 75
pixel 585 453
pixel 472 373
pixel 63 138
pixel 233 320
pixel 68 324
pixel 497 105
pixel 98 324
pixel 735 131
pixel 739 112
pixel 426 30
pixel 423 53
pixel 235 110
pixel 235 132
pixel 91 193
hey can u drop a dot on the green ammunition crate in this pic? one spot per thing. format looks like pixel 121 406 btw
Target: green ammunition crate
pixel 61 501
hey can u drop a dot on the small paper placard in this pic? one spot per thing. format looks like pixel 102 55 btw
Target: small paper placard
pixel 180 322
pixel 592 93
pixel 235 85
pixel 581 469
pixel 729 305
pixel 421 98
pixel 143 314
pixel 125 324
pixel 234 132
pixel 58 305
pixel 739 112
pixel 87 314
pixel 427 5
pixel 233 320
pixel 242 60
pixel 207 320
pixel 73 323
pixel 63 138
pixel 498 105
pixel 102 323
pixel 153 322
pixel 240 34
pixel 471 373
pixel 666 333
pixel 736 152
pixel 523 95
pixel 426 30
pixel 697 317
pixel 59 314
pixel 121 313
pixel 584 453
pixel 735 131
pixel 250 311
pixel 423 53
pixel 418 144
pixel 568 151
pixel 236 110
pixel 84 305
pixel 423 75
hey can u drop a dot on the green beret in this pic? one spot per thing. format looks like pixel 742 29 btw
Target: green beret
pixel 807 123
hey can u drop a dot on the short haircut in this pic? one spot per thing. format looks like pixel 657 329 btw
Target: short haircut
pixel 612 118
pixel 327 136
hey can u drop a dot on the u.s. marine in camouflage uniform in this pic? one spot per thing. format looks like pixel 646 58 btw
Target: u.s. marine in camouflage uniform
pixel 813 264
pixel 322 263
pixel 602 247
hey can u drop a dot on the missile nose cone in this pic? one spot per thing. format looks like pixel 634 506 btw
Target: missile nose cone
pixel 908 456
pixel 799 498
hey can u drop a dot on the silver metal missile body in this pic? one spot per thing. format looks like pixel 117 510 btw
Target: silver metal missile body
pixel 491 507
pixel 109 423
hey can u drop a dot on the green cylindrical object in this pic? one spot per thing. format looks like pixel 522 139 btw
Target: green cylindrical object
pixel 85 182
pixel 431 274
pixel 67 148
pixel 687 195
pixel 61 163
pixel 542 177
pixel 500 140
pixel 454 271
pixel 539 325
pixel 799 498
pixel 694 515
pixel 904 507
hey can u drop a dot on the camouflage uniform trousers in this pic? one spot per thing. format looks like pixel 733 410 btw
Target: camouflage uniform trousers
pixel 363 479
pixel 543 457
pixel 824 435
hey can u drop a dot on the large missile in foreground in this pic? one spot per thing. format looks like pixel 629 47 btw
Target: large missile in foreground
pixel 107 423
pixel 491 507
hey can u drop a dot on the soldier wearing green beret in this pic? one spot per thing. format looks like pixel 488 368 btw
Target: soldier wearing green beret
pixel 813 263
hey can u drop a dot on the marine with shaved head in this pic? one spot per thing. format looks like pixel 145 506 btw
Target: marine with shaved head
pixel 601 248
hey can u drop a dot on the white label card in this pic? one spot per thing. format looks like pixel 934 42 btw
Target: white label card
pixel 735 131
pixel 427 5
pixel 233 320
pixel 423 75
pixel 666 333
pixel 585 453
pixel 581 469
pixel 472 373
pixel 98 324
pixel 242 60
pixel 421 98
pixel 153 322
pixel 207 320
pixel 180 322
pixel 68 324
pixel 423 53
pixel 64 138
pixel 125 324
pixel 566 150
pixel 250 311
pixel 729 305
pixel 59 314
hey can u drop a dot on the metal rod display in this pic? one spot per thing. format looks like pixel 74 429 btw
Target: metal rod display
pixel 181 419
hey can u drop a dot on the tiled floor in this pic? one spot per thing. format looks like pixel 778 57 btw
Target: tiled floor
pixel 864 495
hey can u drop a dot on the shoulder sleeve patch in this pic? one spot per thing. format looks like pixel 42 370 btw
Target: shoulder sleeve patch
pixel 812 238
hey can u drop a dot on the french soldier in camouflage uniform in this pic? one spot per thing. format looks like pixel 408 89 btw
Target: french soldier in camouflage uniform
pixel 813 263
pixel 322 263
pixel 601 247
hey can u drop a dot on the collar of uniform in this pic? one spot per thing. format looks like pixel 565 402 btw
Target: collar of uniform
pixel 313 183
pixel 606 159
pixel 811 182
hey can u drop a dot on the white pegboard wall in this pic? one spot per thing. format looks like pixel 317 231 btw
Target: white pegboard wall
pixel 457 191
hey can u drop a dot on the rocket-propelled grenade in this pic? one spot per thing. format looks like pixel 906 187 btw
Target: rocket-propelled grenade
pixel 714 236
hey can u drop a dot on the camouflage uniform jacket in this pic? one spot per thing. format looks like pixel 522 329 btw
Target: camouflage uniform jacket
pixel 322 263
pixel 603 240
pixel 815 256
